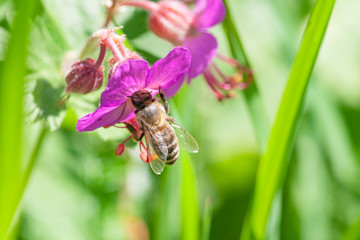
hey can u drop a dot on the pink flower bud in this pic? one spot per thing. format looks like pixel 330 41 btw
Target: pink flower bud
pixel 84 77
pixel 172 21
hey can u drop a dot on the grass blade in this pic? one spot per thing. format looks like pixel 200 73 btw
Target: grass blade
pixel 336 141
pixel 274 162
pixel 206 220
pixel 168 215
pixel 190 216
pixel 12 74
pixel 189 200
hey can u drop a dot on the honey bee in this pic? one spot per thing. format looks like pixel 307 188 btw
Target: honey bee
pixel 162 134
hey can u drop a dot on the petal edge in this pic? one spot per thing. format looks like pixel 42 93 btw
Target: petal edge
pixel 208 13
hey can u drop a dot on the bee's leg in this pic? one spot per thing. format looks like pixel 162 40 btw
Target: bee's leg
pixel 170 119
pixel 163 98
pixel 141 136
pixel 131 129
pixel 134 132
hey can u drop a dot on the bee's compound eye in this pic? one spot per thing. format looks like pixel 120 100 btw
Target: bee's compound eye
pixel 141 98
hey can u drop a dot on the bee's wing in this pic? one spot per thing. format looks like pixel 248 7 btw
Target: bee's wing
pixel 157 150
pixel 185 139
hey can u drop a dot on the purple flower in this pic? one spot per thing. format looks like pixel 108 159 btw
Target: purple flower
pixel 133 75
pixel 175 22
pixel 202 45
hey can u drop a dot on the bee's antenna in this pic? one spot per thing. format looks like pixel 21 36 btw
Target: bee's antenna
pixel 133 97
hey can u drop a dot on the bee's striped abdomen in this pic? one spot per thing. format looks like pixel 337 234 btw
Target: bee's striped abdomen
pixel 171 141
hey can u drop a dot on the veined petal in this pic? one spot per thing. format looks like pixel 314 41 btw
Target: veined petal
pixel 105 116
pixel 127 79
pixel 170 71
pixel 171 90
pixel 203 48
pixel 208 13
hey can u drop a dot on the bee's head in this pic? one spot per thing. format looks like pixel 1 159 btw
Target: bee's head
pixel 141 99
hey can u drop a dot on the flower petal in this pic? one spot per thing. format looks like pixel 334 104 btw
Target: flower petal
pixel 170 71
pixel 127 79
pixel 105 116
pixel 203 48
pixel 208 13
pixel 173 89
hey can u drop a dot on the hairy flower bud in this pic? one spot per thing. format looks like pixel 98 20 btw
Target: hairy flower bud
pixel 172 21
pixel 117 47
pixel 84 77
pixel 114 63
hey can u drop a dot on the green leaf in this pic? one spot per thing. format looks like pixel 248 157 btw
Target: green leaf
pixel 6 14
pixel 12 78
pixel 75 20
pixel 45 82
pixel 274 162
pixel 47 49
pixel 41 103
pixel 136 25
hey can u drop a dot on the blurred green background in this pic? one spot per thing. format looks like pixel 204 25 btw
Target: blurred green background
pixel 79 189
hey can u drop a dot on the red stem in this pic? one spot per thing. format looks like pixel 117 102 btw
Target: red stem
pixel 146 5
pixel 115 50
pixel 101 56
pixel 128 138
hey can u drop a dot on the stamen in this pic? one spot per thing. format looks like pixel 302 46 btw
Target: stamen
pixel 210 79
pixel 121 147
pixel 144 156
pixel 132 135
pixel 142 145
pixel 225 86
pixel 236 81
pixel 228 60
pixel 143 152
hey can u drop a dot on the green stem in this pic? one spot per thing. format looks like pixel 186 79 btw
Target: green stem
pixel 273 165
pixel 29 168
